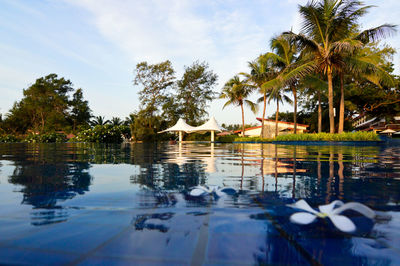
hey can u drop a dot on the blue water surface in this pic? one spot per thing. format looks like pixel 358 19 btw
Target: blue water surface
pixel 87 204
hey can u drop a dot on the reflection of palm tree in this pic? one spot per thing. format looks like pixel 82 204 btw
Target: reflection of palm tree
pixel 294 172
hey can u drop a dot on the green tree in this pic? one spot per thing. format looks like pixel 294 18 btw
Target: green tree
pixel 278 94
pixel 195 90
pixel 260 73
pixel 99 120
pixel 80 110
pixel 116 121
pixel 155 79
pixel 236 92
pixel 326 35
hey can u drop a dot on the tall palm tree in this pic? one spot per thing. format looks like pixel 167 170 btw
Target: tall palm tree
pixel 236 92
pixel 99 120
pixel 325 34
pixel 364 63
pixel 260 72
pixel 278 94
pixel 116 121
pixel 285 56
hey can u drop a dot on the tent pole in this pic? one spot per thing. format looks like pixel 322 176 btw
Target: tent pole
pixel 212 136
pixel 180 136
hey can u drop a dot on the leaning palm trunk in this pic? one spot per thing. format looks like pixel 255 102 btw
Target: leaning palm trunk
pixel 330 102
pixel 241 106
pixel 319 113
pixel 276 118
pixel 263 115
pixel 295 109
pixel 341 111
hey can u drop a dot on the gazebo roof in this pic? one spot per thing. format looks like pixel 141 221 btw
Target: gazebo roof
pixel 210 125
pixel 179 126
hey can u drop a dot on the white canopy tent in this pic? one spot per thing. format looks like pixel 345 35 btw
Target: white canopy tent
pixel 210 125
pixel 180 127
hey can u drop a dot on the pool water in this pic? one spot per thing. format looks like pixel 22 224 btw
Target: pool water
pixel 93 204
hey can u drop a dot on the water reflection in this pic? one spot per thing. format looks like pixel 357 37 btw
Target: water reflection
pixel 150 183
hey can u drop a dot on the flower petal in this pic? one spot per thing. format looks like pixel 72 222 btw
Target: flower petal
pixel 342 223
pixel 302 205
pixel 228 190
pixel 302 218
pixel 198 191
pixel 358 207
pixel 329 207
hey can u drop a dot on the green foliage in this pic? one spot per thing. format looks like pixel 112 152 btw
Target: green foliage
pixel 252 139
pixel 46 107
pixel 194 91
pixel 9 139
pixel 103 134
pixel 226 139
pixel 45 138
pixel 345 136
pixel 80 112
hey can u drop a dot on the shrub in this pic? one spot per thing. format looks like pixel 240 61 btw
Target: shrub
pixel 8 139
pixel 103 134
pixel 251 139
pixel 346 136
pixel 46 138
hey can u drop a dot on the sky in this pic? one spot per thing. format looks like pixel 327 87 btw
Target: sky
pixel 97 43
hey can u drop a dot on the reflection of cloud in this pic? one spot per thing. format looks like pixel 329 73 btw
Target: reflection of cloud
pixel 387 242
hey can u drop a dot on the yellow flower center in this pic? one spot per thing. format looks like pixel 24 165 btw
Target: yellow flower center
pixel 322 215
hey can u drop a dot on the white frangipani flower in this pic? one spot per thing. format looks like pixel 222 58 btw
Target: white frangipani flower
pixel 200 191
pixel 340 221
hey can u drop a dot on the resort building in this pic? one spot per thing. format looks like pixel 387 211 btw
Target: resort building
pixel 378 125
pixel 269 129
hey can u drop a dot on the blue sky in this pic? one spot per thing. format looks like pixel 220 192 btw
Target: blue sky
pixel 97 43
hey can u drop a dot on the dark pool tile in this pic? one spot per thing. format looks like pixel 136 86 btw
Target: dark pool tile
pixel 69 236
pixel 148 243
pixel 228 248
pixel 105 217
pixel 16 228
pixel 107 261
pixel 237 224
pixel 13 256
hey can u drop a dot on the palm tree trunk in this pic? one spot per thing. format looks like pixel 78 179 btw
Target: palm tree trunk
pixel 295 109
pixel 330 102
pixel 263 115
pixel 319 112
pixel 241 106
pixel 341 111
pixel 276 118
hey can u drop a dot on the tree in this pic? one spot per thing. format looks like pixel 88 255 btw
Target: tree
pixel 155 79
pixel 99 121
pixel 325 34
pixel 116 121
pixel 236 92
pixel 195 90
pixel 278 94
pixel 80 112
pixel 260 72
pixel 44 106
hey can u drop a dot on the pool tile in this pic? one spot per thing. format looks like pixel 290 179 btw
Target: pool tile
pixel 14 256
pixel 70 237
pixel 152 244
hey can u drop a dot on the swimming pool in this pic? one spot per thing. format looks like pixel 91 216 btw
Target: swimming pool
pixel 131 204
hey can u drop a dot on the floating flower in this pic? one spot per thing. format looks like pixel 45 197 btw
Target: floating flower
pixel 340 221
pixel 200 191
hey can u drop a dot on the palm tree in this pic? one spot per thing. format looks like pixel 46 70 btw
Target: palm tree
pixel 278 94
pixel 99 120
pixel 116 121
pixel 260 72
pixel 325 34
pixel 236 92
